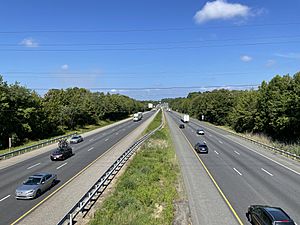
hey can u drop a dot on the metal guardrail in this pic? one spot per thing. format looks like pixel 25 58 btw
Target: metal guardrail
pixel 289 154
pixel 36 146
pixel 98 188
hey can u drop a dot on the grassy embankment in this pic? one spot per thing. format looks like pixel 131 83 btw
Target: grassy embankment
pixel 145 193
pixel 292 148
pixel 78 130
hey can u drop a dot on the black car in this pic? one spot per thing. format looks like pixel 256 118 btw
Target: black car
pixel 267 215
pixel 181 126
pixel 61 153
pixel 201 147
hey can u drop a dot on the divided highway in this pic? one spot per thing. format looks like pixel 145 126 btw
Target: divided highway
pixel 84 153
pixel 246 176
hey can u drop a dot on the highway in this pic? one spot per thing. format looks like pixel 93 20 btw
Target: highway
pixel 245 175
pixel 84 153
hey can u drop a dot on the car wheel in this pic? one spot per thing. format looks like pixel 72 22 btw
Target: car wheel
pixel 53 183
pixel 38 193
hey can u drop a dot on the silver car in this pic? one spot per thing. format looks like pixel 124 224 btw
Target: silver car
pixel 76 139
pixel 35 185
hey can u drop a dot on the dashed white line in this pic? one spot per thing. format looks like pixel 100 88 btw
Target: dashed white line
pixel 210 135
pixel 216 152
pixel 220 142
pixel 267 172
pixel 91 139
pixel 106 139
pixel 274 161
pixel 237 171
pixel 237 153
pixel 61 166
pixel 117 133
pixel 33 166
pixel 2 199
pixel 91 149
pixel 123 129
pixel 113 129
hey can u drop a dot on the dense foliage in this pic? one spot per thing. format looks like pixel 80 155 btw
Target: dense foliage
pixel 24 115
pixel 273 109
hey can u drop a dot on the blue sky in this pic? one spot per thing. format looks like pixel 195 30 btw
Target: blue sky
pixel 122 45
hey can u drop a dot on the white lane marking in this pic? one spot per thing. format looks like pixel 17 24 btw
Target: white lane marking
pixel 267 172
pixel 237 152
pixel 210 135
pixel 220 141
pixel 91 139
pixel 2 199
pixel 106 139
pixel 33 166
pixel 61 166
pixel 237 171
pixel 91 149
pixel 274 161
pixel 123 129
pixel 103 134
pixel 113 129
pixel 217 152
pixel 117 133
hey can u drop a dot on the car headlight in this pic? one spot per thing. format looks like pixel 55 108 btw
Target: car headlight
pixel 30 192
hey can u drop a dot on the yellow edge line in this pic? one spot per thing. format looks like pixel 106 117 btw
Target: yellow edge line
pixel 215 183
pixel 71 179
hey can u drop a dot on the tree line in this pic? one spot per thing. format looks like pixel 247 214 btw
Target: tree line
pixel 273 109
pixel 25 115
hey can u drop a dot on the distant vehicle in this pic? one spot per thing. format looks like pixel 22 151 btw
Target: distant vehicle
pixel 260 214
pixel 150 105
pixel 181 126
pixel 61 153
pixel 200 131
pixel 137 116
pixel 185 118
pixel 201 147
pixel 35 185
pixel 76 139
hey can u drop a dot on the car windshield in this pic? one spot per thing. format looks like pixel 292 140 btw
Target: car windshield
pixel 32 181
pixel 75 137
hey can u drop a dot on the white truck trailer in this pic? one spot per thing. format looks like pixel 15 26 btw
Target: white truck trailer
pixel 185 118
pixel 137 116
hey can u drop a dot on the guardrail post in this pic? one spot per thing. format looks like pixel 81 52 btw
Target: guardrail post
pixel 71 219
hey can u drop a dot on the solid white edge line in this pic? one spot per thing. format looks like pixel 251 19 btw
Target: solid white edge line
pixel 33 166
pixel 237 152
pixel 267 172
pixel 274 161
pixel 237 171
pixel 2 199
pixel 216 152
pixel 91 149
pixel 61 166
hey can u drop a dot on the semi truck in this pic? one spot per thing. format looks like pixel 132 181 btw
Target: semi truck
pixel 137 116
pixel 185 118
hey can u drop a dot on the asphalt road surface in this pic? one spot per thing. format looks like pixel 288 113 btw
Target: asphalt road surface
pixel 84 153
pixel 246 173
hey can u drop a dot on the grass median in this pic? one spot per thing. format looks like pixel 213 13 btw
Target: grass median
pixel 146 192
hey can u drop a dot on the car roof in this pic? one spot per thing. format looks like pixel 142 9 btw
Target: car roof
pixel 39 175
pixel 277 213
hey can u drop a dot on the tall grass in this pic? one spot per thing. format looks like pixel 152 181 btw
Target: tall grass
pixel 146 191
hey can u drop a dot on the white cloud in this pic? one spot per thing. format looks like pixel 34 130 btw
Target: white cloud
pixel 246 58
pixel 221 9
pixel 270 63
pixel 29 42
pixel 65 67
pixel 291 55
pixel 113 90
